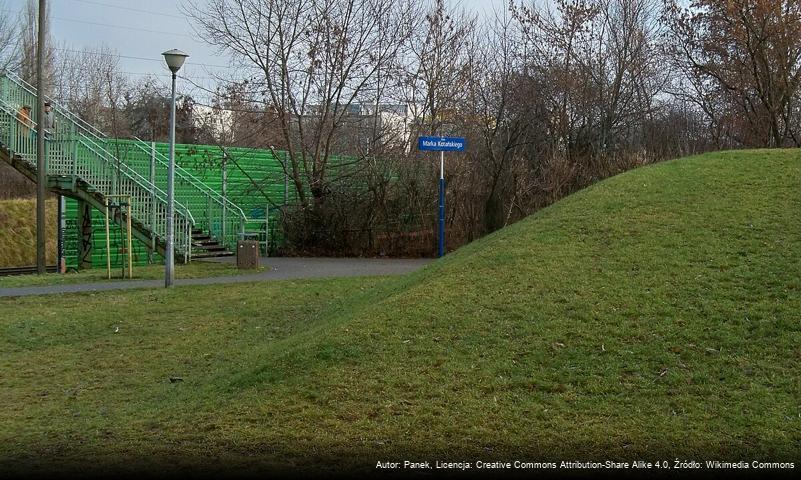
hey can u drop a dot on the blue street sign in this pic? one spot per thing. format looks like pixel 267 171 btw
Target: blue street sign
pixel 441 144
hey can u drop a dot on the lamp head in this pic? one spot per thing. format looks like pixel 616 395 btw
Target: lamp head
pixel 175 59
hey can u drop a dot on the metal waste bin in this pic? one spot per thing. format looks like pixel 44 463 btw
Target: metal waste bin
pixel 247 254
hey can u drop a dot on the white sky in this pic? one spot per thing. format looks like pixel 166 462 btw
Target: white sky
pixel 145 28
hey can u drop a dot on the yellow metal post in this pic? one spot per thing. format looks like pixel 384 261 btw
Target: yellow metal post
pixel 124 199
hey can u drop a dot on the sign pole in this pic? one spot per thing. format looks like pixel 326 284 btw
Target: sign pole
pixel 441 203
pixel 441 145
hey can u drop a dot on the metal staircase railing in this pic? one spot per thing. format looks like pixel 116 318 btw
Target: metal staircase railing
pixel 75 151
pixel 214 213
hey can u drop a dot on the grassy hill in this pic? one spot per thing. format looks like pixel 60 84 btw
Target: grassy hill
pixel 18 232
pixel 653 315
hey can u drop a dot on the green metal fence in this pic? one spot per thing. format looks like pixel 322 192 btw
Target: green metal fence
pixel 118 241
pixel 252 179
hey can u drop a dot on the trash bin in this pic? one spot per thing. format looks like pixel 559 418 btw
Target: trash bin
pixel 247 254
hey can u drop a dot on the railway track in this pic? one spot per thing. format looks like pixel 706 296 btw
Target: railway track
pixel 6 271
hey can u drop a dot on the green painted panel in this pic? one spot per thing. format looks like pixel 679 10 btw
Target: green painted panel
pixel 255 181
pixel 117 237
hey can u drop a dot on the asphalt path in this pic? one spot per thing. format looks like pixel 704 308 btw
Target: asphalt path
pixel 276 269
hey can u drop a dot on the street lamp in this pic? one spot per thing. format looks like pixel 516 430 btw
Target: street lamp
pixel 175 60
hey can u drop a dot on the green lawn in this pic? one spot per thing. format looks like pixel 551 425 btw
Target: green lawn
pixel 196 269
pixel 654 315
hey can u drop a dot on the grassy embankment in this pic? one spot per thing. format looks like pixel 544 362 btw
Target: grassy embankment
pixel 18 232
pixel 653 315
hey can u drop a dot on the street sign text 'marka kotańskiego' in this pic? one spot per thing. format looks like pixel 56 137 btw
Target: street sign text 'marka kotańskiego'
pixel 441 144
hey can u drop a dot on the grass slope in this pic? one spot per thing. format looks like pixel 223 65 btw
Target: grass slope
pixel 18 232
pixel 653 315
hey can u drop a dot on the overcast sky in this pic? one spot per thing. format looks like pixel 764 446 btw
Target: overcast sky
pixel 140 30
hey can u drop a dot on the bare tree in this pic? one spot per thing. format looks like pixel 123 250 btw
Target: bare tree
pixel 313 59
pixel 436 67
pixel 498 122
pixel 89 83
pixel 599 61
pixel 27 45
pixel 9 55
pixel 741 61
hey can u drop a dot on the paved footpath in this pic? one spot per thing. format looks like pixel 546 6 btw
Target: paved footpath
pixel 277 269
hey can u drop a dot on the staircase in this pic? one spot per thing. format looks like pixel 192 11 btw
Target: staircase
pixel 205 246
pixel 83 164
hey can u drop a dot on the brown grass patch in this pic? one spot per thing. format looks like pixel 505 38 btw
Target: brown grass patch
pixel 18 232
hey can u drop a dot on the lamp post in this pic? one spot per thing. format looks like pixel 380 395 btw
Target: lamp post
pixel 175 60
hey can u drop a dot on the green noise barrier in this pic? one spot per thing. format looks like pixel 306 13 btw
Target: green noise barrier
pixel 253 179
